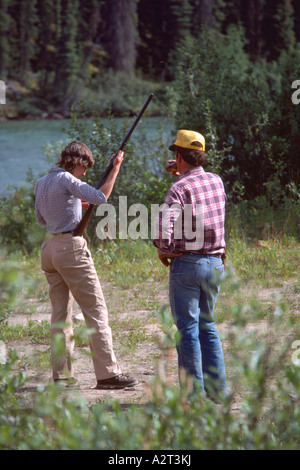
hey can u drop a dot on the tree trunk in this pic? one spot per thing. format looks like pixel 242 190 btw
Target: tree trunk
pixel 120 38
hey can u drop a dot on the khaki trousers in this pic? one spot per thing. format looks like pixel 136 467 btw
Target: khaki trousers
pixel 71 274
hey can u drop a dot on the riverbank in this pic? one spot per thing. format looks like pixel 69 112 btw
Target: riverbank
pixel 116 96
pixel 12 114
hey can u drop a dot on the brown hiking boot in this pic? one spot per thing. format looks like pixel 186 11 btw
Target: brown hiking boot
pixel 119 381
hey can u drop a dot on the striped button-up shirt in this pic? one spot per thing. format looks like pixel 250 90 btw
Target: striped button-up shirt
pixel 58 198
pixel 192 218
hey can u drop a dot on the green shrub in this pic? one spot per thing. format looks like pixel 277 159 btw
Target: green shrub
pixel 248 118
pixel 19 229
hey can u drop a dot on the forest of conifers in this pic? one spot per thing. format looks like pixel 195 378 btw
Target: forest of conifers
pixel 55 48
pixel 224 68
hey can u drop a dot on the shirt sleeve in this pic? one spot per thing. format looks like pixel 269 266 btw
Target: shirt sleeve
pixel 40 220
pixel 165 231
pixel 83 190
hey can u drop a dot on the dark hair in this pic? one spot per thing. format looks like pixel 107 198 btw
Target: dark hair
pixel 191 156
pixel 76 153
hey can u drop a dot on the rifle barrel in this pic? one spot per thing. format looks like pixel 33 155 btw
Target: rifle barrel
pixel 86 217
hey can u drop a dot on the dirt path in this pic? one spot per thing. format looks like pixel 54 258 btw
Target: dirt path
pixel 140 361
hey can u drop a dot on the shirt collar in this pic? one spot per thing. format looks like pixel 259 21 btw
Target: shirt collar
pixel 198 170
pixel 56 170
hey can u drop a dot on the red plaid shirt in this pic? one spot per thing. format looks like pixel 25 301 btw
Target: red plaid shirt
pixel 192 217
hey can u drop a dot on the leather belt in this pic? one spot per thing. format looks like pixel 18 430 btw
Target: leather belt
pixel 217 255
pixel 62 233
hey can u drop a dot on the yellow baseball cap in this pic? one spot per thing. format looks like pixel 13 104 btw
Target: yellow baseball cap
pixel 189 140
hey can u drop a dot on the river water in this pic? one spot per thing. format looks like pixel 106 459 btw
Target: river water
pixel 22 145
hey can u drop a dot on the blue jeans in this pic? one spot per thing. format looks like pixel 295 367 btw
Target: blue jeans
pixel 194 286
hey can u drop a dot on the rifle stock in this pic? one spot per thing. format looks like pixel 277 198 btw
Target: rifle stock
pixel 86 217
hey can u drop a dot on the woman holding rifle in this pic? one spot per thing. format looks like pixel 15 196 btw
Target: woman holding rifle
pixel 69 267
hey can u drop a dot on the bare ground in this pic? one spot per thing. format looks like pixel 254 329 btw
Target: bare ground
pixel 141 360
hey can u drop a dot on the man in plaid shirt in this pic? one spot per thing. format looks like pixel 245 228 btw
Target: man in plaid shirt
pixel 191 240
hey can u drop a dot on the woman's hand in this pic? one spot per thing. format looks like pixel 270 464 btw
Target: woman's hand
pixel 118 160
pixel 84 205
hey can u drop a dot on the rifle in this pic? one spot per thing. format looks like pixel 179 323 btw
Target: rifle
pixel 85 219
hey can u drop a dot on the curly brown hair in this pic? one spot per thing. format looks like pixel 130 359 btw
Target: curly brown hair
pixel 191 156
pixel 76 153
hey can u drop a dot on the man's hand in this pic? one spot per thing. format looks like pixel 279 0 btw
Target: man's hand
pixel 164 257
pixel 171 167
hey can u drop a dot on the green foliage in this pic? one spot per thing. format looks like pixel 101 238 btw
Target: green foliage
pixel 61 49
pixel 18 224
pixel 261 411
pixel 251 135
pixel 37 332
pixel 122 94
pixel 13 281
pixel 66 77
pixel 4 43
pixel 260 220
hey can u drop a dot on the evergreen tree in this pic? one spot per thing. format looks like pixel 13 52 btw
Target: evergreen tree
pixel 67 60
pixel 181 17
pixel 47 45
pixel 202 14
pixel 121 35
pixel 26 35
pixel 88 32
pixel 66 43
pixel 285 25
pixel 154 37
pixel 227 12
pixel 4 40
pixel 252 16
pixel 180 24
pixel 296 8
pixel 162 27
pixel 278 27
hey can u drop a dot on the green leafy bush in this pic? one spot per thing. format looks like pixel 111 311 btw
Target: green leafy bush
pixel 247 116
pixel 19 229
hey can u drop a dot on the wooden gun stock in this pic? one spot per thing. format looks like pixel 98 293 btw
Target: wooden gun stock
pixel 86 217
